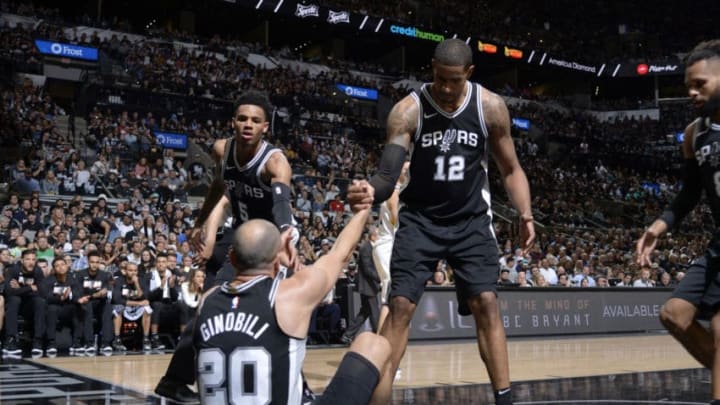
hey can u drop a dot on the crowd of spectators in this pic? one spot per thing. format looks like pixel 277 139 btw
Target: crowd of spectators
pixel 590 207
pixel 27 117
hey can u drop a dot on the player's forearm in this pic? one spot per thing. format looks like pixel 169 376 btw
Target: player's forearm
pixel 216 217
pixel 215 193
pixel 518 189
pixel 389 170
pixel 330 265
pixel 393 204
pixel 658 227
pixel 347 240
pixel 687 198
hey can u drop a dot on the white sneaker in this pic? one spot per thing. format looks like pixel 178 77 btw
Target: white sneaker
pixel 77 350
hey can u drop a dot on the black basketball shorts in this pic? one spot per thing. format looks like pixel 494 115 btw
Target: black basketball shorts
pixel 701 286
pixel 353 382
pixel 469 246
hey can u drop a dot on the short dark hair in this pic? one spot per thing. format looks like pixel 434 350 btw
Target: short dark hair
pixel 58 259
pixel 453 52
pixel 28 252
pixel 252 97
pixel 93 253
pixel 704 50
pixel 161 254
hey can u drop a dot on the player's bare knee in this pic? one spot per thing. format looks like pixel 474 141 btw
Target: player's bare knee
pixel 374 348
pixel 401 310
pixel 484 304
pixel 675 317
pixel 715 329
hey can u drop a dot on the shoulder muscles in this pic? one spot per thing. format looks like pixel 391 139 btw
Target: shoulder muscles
pixel 402 122
pixel 218 154
pixel 497 117
pixel 277 169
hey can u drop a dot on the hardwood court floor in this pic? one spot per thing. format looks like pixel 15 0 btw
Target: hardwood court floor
pixel 439 363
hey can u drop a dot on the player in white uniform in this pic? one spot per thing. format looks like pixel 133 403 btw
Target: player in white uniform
pixel 383 244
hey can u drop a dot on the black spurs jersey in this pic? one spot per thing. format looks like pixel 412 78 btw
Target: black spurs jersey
pixel 243 355
pixel 449 158
pixel 249 196
pixel 706 145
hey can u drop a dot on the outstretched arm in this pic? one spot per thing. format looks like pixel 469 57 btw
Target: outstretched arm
pixel 213 209
pixel 301 293
pixel 203 239
pixel 217 188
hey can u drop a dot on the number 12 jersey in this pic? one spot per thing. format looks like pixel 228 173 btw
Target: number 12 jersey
pixel 449 158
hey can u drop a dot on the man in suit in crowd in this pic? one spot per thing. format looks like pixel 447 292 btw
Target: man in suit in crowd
pixel 368 285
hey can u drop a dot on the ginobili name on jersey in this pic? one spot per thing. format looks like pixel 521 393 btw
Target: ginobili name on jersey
pixel 232 322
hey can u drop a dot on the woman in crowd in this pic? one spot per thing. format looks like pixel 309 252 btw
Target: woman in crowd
pixel 306 249
pixel 83 235
pixel 108 252
pixel 190 293
pixel 161 226
pixel 141 168
pixel 147 262
pixel 148 228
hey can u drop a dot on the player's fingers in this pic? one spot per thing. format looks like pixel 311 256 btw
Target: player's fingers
pixel 640 256
pixel 359 207
pixel 356 192
pixel 639 245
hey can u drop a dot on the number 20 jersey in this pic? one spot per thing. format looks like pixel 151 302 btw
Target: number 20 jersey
pixel 243 355
pixel 449 159
pixel 250 197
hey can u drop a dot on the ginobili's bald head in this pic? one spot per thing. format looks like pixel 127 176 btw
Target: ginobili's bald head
pixel 256 244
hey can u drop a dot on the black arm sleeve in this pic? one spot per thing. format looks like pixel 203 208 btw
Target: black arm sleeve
pixel 688 196
pixel 391 163
pixel 282 213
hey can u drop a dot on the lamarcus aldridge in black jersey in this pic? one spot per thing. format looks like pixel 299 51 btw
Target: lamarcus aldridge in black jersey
pixel 450 128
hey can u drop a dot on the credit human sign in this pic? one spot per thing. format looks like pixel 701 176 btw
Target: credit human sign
pixel 416 33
